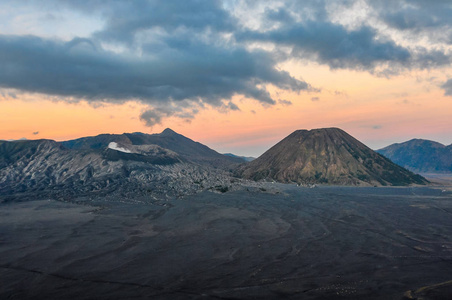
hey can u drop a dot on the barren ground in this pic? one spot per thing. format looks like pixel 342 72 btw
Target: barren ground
pixel 286 242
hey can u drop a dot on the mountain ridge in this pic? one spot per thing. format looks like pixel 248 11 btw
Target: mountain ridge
pixel 128 165
pixel 171 165
pixel 168 139
pixel 245 158
pixel 420 155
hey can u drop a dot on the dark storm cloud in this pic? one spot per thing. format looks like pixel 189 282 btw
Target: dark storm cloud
pixel 284 102
pixel 232 106
pixel 416 15
pixel 131 17
pixel 155 115
pixel 332 44
pixel 431 17
pixel 199 72
pixel 447 86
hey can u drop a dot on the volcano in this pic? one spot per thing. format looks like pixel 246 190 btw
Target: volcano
pixel 326 156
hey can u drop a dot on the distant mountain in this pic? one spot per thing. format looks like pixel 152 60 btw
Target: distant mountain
pixel 168 139
pixel 11 140
pixel 328 156
pixel 244 158
pixel 420 156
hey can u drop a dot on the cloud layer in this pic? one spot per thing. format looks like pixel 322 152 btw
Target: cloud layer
pixel 178 57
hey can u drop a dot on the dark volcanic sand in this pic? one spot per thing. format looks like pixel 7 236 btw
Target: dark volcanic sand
pixel 320 243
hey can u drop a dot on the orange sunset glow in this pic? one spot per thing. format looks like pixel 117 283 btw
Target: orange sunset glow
pixel 399 93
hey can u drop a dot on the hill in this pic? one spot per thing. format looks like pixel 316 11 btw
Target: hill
pixel 244 158
pixel 329 156
pixel 419 155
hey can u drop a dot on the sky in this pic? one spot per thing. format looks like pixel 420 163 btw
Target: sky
pixel 236 75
